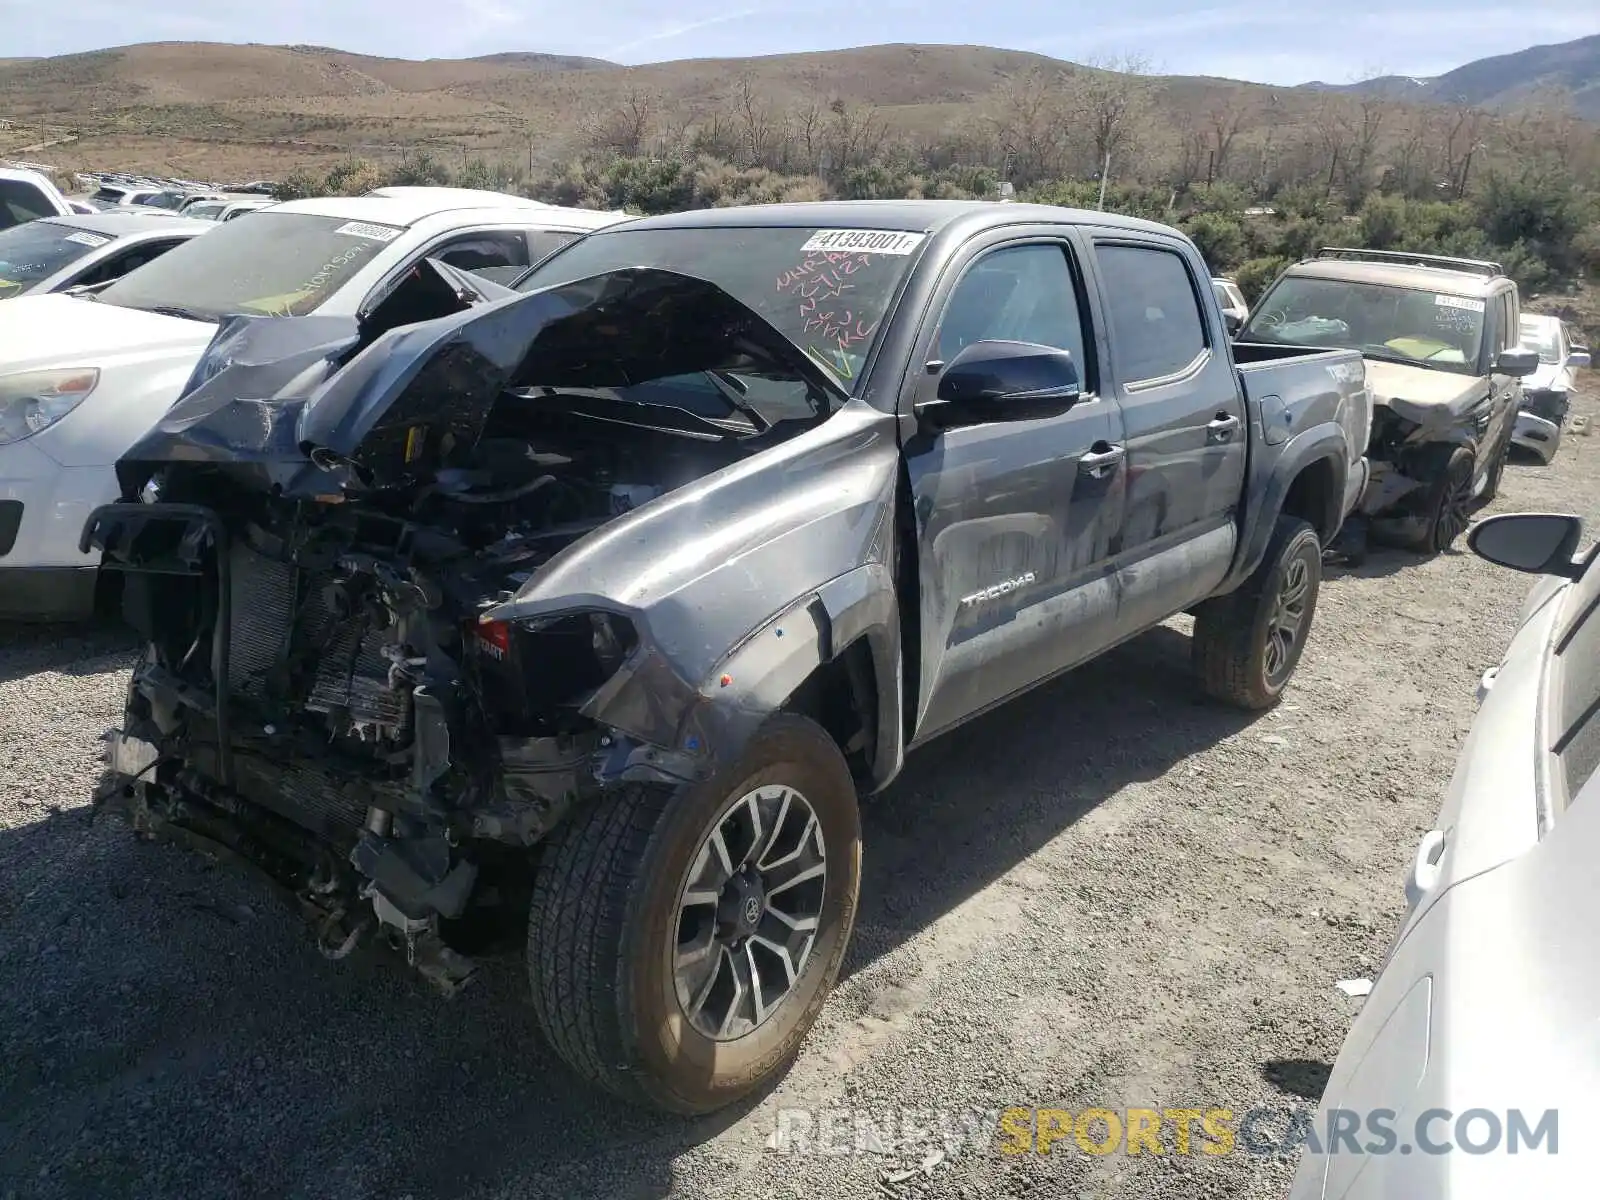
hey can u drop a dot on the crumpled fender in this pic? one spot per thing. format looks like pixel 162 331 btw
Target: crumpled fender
pixel 756 574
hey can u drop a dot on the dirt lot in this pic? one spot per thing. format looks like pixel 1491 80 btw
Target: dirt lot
pixel 1109 894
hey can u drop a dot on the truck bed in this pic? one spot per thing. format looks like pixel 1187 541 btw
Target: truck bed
pixel 1288 389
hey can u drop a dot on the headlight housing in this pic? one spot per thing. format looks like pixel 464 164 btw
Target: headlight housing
pixel 35 400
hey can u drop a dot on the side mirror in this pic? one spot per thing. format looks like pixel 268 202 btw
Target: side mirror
pixel 1518 362
pixel 1003 381
pixel 1538 543
pixel 1232 322
pixel 1578 356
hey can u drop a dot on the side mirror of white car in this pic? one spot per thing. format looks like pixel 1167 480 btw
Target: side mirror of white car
pixel 1577 358
pixel 1538 543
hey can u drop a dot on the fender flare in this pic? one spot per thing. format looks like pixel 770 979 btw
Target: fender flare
pixel 759 674
pixel 1321 443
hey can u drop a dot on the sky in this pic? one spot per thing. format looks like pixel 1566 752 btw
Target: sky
pixel 1284 43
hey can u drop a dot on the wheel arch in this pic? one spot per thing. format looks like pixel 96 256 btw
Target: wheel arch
pixel 1307 480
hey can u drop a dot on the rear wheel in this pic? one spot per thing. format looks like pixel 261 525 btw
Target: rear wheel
pixel 682 941
pixel 1248 643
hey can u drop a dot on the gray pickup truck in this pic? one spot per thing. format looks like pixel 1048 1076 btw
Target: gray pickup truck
pixel 584 616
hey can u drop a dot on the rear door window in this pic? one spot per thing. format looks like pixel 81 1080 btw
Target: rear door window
pixel 1157 324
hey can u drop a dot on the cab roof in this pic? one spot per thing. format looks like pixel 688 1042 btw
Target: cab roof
pixel 918 216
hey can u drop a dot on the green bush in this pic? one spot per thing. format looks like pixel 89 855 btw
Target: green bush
pixel 1220 239
pixel 1254 276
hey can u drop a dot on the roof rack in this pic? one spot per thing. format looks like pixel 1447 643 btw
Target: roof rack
pixel 1476 266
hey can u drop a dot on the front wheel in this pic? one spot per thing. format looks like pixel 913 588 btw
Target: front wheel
pixel 1247 643
pixel 1448 501
pixel 682 941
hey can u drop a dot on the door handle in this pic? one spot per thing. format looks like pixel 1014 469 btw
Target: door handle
pixel 1098 463
pixel 1221 428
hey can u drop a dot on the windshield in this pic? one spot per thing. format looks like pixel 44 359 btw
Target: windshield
pixel 28 253
pixel 207 211
pixel 1537 335
pixel 829 302
pixel 1391 323
pixel 277 264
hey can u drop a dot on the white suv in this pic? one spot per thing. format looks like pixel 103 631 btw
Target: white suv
pixel 83 376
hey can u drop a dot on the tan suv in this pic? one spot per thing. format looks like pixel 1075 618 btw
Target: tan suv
pixel 1445 364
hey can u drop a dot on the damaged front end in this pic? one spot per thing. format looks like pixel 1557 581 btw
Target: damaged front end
pixel 312 544
pixel 1419 415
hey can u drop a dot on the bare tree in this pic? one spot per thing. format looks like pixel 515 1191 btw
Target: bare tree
pixel 1025 115
pixel 856 134
pixel 1230 114
pixel 627 126
pixel 1331 136
pixel 810 130
pixel 758 126
pixel 1463 131
pixel 1110 98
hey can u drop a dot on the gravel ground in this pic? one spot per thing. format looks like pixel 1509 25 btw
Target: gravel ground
pixel 1110 894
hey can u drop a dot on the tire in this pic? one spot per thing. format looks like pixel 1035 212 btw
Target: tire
pixel 605 925
pixel 1446 504
pixel 1240 652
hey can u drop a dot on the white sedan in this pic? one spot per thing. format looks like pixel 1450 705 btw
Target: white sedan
pixel 83 376
pixel 57 253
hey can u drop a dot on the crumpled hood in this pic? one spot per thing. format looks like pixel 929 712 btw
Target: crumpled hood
pixel 284 392
pixel 56 330
pixel 1423 395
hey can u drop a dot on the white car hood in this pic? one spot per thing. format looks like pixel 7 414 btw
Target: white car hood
pixel 1546 377
pixel 67 331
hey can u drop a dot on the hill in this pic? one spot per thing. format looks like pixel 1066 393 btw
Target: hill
pixel 221 110
pixel 1505 81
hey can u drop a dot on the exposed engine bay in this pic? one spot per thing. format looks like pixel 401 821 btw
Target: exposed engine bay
pixel 321 694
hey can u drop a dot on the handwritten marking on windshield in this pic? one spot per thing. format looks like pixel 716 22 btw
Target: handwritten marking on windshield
pixel 818 281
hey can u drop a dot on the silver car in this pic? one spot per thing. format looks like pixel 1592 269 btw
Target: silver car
pixel 57 253
pixel 1545 393
pixel 1479 1045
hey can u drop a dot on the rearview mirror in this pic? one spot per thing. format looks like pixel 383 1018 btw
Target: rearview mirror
pixel 1538 543
pixel 1518 362
pixel 1004 381
pixel 1578 357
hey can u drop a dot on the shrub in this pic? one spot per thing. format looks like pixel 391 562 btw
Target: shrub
pixel 1254 276
pixel 1220 239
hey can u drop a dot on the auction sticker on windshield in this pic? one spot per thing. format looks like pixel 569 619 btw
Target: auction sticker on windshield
pixel 1464 302
pixel 93 240
pixel 863 241
pixel 365 229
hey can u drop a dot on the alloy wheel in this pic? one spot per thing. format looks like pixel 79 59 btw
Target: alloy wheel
pixel 749 911
pixel 1288 616
pixel 1455 509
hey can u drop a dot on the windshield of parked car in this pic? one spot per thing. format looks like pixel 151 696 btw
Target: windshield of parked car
pixel 827 291
pixel 28 253
pixel 209 210
pixel 275 264
pixel 1540 336
pixel 1396 324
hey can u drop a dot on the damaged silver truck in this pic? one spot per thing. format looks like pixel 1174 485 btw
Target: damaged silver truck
pixel 1445 360
pixel 578 619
